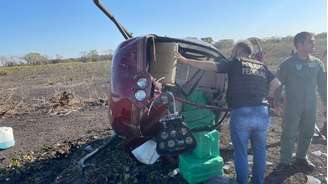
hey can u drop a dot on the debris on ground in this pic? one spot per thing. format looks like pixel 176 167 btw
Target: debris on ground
pixel 220 180
pixel 64 103
pixel 174 172
pixel 318 153
pixel 312 180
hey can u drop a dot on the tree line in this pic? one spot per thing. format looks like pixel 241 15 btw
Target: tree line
pixel 276 49
pixel 35 58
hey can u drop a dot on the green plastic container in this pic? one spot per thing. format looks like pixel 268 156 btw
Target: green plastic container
pixel 207 144
pixel 196 117
pixel 196 96
pixel 196 170
pixel 205 160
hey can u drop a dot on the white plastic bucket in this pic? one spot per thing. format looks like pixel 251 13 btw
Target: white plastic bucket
pixel 6 137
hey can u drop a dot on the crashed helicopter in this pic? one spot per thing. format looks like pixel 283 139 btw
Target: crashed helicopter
pixel 164 108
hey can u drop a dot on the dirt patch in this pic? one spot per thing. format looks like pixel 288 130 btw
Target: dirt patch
pixel 58 162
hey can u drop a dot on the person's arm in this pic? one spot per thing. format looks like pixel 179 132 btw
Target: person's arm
pixel 273 86
pixel 204 64
pixel 322 84
pixel 273 82
pixel 282 72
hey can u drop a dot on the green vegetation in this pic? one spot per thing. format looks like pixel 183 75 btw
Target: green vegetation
pixel 75 67
pixel 34 58
pixel 276 49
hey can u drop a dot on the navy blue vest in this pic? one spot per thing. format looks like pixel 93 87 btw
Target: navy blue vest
pixel 248 83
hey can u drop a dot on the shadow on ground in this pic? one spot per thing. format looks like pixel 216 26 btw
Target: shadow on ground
pixel 48 164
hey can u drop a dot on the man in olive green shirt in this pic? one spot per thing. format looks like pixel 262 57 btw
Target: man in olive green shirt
pixel 301 74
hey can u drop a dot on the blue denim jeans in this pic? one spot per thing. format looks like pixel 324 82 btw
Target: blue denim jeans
pixel 246 123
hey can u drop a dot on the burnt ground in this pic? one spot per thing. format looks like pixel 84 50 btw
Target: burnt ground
pixel 59 114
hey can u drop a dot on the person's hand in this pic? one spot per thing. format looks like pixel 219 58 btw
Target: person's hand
pixel 277 105
pixel 281 104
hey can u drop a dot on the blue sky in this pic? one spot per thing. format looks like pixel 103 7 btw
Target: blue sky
pixel 67 27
